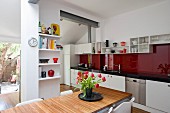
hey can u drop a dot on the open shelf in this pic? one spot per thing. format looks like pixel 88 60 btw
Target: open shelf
pixel 49 50
pixel 115 47
pixel 46 64
pixel 49 36
pixel 49 78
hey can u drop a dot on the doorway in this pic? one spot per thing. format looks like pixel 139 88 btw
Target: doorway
pixel 9 74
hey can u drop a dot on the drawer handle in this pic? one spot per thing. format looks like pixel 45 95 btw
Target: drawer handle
pixel 168 85
pixel 134 80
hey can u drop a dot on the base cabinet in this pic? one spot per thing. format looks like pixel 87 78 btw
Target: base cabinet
pixel 116 82
pixel 73 77
pixel 112 81
pixel 158 95
pixel 67 69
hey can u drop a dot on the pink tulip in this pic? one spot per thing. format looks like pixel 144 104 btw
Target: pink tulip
pixel 86 72
pixel 99 75
pixel 103 79
pixel 92 75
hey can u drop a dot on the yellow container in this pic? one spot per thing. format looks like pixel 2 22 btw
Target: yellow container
pixel 55 29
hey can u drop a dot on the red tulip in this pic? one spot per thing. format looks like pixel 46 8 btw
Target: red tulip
pixel 99 75
pixel 96 85
pixel 85 76
pixel 77 82
pixel 79 74
pixel 92 75
pixel 86 72
pixel 103 79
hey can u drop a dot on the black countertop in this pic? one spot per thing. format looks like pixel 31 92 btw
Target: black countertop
pixel 145 76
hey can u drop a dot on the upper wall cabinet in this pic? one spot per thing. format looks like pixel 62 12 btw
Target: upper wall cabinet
pixel 160 39
pixel 140 45
pixel 144 44
pixel 83 48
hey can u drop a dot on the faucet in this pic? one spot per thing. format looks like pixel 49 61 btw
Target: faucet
pixel 118 67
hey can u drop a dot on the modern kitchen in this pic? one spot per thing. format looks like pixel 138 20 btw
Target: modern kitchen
pixel 138 64
pixel 92 56
pixel 122 72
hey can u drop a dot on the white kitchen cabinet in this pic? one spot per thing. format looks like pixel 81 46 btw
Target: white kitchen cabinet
pixel 106 83
pixel 113 81
pixel 77 49
pixel 73 77
pixel 70 60
pixel 158 95
pixel 103 84
pixel 116 82
pixel 67 69
pixel 83 48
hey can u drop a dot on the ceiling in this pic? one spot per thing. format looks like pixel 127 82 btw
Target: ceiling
pixel 10 20
pixel 108 8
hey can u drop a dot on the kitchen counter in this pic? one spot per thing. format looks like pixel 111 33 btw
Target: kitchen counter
pixel 145 76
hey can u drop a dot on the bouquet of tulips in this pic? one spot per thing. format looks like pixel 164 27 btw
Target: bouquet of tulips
pixel 86 81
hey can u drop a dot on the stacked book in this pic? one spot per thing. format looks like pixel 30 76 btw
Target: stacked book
pixel 46 43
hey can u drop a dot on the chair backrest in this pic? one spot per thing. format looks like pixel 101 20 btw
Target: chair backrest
pixel 28 102
pixel 124 107
pixel 66 92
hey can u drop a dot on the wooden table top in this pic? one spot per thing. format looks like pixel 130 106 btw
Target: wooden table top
pixel 72 104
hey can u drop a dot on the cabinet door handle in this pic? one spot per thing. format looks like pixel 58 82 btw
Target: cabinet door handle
pixel 134 80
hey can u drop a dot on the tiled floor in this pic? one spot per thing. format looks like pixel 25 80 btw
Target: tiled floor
pixel 65 87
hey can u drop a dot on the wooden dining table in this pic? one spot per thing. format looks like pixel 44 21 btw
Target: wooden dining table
pixel 72 104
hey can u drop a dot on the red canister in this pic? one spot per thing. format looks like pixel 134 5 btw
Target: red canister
pixel 122 43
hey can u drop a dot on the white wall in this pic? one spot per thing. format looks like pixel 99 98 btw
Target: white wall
pixel 84 38
pixel 71 32
pixel 29 55
pixel 147 21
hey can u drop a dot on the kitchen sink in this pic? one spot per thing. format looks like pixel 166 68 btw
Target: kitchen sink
pixel 84 68
pixel 111 71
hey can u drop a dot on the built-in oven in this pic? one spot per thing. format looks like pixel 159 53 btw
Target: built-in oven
pixel 138 89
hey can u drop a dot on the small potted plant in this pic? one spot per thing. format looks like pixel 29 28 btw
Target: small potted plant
pixel 86 82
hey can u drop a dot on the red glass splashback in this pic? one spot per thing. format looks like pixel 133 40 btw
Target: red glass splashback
pixel 157 62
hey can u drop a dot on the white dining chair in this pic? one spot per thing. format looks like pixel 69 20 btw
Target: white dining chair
pixel 66 92
pixel 124 107
pixel 29 101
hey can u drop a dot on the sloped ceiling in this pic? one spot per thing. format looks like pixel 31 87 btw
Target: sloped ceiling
pixel 71 32
pixel 108 8
pixel 10 19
